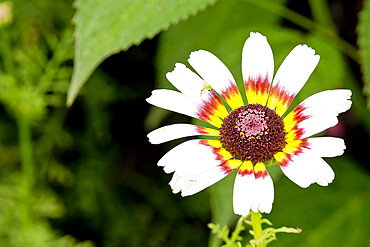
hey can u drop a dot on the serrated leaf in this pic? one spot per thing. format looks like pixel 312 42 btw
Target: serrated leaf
pixel 364 45
pixel 107 27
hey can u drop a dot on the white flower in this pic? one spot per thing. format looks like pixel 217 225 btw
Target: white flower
pixel 252 134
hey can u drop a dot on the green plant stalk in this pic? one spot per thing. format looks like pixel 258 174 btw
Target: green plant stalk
pixel 358 100
pixel 6 51
pixel 59 54
pixel 239 228
pixel 26 183
pixel 257 227
pixel 321 13
pixel 27 166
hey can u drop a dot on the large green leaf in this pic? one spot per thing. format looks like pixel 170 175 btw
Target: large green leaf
pixel 364 45
pixel 107 27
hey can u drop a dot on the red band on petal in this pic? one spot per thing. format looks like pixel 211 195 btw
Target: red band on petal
pixel 298 114
pixel 297 147
pixel 202 130
pixel 221 154
pixel 262 86
pixel 281 95
pixel 244 172
pixel 250 86
pixel 230 92
pixel 209 108
pixel 304 143
pixel 298 132
pixel 225 168
pixel 206 131
pixel 260 174
pixel 204 142
pixel 285 161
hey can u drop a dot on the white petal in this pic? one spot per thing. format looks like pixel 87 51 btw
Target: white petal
pixel 193 87
pixel 329 101
pixel 211 69
pixel 257 58
pixel 176 183
pixel 265 197
pixel 190 158
pixel 188 82
pixel 307 168
pixel 298 171
pixel 253 194
pixel 325 174
pixel 327 146
pixel 189 185
pixel 172 132
pixel 217 75
pixel 173 101
pixel 296 69
pixel 316 124
pixel 323 109
pixel 244 194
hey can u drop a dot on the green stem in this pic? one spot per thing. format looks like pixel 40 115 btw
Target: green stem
pixel 239 228
pixel 27 166
pixel 257 227
pixel 310 25
pixel 321 13
pixel 6 51
pixel 60 53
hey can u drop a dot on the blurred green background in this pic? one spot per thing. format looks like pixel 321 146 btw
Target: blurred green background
pixel 86 175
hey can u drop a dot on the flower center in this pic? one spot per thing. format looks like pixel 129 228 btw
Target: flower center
pixel 253 132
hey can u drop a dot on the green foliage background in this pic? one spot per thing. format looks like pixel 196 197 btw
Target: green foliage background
pixel 85 175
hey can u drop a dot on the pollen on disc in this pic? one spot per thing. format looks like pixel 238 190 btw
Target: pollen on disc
pixel 253 132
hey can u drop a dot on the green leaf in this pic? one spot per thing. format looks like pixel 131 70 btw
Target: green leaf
pixel 107 27
pixel 364 45
pixel 336 215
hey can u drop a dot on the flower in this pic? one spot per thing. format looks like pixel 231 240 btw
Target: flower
pixel 247 137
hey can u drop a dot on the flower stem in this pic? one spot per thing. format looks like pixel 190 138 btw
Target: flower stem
pixel 6 51
pixel 27 166
pixel 257 227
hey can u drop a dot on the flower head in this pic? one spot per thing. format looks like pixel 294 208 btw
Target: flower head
pixel 245 137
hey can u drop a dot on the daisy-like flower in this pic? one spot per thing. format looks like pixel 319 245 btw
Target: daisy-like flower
pixel 247 137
